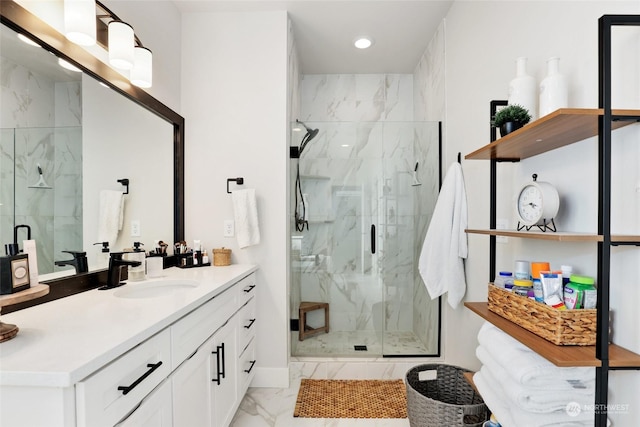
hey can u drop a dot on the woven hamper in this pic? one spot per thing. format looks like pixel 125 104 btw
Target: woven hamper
pixel 447 401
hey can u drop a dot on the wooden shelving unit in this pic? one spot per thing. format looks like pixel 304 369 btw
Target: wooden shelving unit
pixel 559 355
pixel 561 128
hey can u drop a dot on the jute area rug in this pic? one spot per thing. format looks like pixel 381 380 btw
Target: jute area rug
pixel 351 399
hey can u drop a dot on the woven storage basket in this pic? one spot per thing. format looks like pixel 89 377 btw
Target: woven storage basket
pixel 561 327
pixel 449 400
pixel 222 257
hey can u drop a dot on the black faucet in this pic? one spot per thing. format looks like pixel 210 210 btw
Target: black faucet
pixel 79 261
pixel 116 263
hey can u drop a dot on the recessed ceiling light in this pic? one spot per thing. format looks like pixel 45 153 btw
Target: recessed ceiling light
pixel 363 43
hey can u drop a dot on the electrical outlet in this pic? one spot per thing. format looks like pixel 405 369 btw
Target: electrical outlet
pixel 135 228
pixel 229 228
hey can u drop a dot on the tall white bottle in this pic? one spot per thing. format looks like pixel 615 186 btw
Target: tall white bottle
pixel 522 89
pixel 554 91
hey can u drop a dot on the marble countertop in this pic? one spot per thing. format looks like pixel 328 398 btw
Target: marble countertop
pixel 63 341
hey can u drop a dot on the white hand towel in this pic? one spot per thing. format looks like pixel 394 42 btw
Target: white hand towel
pixel 245 211
pixel 111 215
pixel 441 262
pixel 531 369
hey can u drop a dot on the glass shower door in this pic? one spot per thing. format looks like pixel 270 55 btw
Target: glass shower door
pixel 361 248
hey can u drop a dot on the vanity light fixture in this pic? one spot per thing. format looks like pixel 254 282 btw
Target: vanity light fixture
pixel 121 45
pixel 69 66
pixel 363 43
pixel 80 21
pixel 142 71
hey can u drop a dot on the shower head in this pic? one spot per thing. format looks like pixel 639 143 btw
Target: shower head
pixel 311 133
pixel 415 177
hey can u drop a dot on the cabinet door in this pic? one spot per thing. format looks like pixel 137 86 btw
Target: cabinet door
pixel 191 386
pixel 224 374
pixel 154 411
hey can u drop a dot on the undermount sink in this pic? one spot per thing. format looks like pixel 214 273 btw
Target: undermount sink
pixel 156 288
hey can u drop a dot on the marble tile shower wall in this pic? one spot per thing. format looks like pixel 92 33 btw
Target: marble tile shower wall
pixel 357 172
pixel 40 123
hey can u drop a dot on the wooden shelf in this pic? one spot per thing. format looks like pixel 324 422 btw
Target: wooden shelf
pixel 558 129
pixel 559 355
pixel 555 236
pixel 558 236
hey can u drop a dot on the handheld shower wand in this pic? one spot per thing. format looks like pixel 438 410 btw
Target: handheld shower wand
pixel 300 207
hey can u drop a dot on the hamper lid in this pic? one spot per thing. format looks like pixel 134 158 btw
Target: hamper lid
pixel 221 251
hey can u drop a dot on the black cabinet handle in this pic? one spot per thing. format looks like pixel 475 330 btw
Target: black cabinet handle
pixel 253 362
pixel 219 363
pixel 251 322
pixel 373 239
pixel 223 364
pixel 152 367
pixel 249 289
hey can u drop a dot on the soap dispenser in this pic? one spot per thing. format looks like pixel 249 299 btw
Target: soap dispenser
pixel 102 259
pixel 138 254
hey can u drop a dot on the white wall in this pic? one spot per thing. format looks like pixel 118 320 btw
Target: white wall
pixel 234 95
pixel 482 41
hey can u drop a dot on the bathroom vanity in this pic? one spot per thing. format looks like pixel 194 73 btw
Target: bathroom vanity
pixel 176 350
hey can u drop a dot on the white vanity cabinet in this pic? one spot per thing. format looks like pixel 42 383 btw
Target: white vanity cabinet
pixel 192 368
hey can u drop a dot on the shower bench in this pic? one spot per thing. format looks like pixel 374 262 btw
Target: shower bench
pixel 305 307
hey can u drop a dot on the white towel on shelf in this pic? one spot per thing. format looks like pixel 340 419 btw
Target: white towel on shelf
pixel 245 211
pixel 510 416
pixel 538 399
pixel 531 369
pixel 441 262
pixel 111 215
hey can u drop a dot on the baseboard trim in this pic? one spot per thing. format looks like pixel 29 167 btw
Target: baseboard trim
pixel 271 378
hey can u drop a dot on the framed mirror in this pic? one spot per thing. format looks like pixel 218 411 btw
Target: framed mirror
pixel 53 170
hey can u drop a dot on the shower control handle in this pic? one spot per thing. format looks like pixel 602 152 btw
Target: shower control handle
pixel 373 239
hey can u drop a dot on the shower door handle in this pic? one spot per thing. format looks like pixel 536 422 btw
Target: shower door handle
pixel 373 239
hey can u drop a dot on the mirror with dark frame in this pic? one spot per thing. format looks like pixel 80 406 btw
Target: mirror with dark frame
pixel 72 157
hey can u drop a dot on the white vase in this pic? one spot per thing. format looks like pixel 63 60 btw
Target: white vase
pixel 554 92
pixel 522 89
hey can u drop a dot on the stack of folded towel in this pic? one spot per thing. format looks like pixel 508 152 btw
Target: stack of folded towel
pixel 523 389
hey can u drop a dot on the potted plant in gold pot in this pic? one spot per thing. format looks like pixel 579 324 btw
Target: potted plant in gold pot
pixel 511 118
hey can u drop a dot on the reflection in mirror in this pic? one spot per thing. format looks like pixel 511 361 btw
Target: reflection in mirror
pixel 78 138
